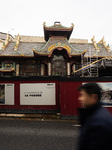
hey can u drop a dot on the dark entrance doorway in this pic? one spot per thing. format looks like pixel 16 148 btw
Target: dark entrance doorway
pixel 58 65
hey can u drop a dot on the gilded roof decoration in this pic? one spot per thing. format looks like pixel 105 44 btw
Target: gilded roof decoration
pixel 54 46
pixel 104 44
pixel 57 25
pixel 17 42
pixel 6 42
pixel 96 46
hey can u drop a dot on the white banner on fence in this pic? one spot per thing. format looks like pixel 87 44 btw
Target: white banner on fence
pixel 37 94
pixel 7 94
pixel 106 98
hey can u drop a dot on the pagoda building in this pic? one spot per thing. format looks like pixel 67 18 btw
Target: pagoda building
pixel 58 54
pixel 55 55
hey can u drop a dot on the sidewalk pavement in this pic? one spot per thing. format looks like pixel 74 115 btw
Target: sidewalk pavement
pixel 41 117
pixel 38 116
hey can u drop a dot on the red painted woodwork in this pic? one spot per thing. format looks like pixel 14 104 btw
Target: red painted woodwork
pixel 30 107
pixel 66 96
pixel 69 98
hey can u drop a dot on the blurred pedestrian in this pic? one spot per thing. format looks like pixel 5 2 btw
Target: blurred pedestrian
pixel 96 121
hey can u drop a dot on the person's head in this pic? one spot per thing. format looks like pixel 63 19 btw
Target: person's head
pixel 89 94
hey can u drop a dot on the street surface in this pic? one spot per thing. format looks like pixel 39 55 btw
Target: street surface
pixel 30 134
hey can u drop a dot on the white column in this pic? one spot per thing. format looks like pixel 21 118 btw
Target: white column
pixel 74 67
pixel 68 68
pixel 49 69
pixel 17 69
pixel 42 69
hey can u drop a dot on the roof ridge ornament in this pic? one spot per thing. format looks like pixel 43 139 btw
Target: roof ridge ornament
pixel 17 42
pixel 57 23
pixel 44 24
pixel 72 24
pixel 107 47
pixel 96 46
pixel 6 42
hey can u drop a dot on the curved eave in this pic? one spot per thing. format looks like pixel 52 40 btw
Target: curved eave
pixel 49 31
pixel 40 54
pixel 49 54
pixel 79 53
pixel 59 27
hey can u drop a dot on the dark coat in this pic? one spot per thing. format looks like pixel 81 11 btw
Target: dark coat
pixel 96 129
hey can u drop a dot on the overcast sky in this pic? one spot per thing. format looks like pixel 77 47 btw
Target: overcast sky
pixel 26 17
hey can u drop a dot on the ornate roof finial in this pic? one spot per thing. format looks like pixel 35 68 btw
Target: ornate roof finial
pixel 104 44
pixel 72 24
pixel 44 24
pixel 6 42
pixel 96 46
pixel 17 42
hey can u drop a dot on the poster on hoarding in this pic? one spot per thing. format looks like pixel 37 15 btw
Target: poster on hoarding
pixel 37 94
pixel 106 98
pixel 7 94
